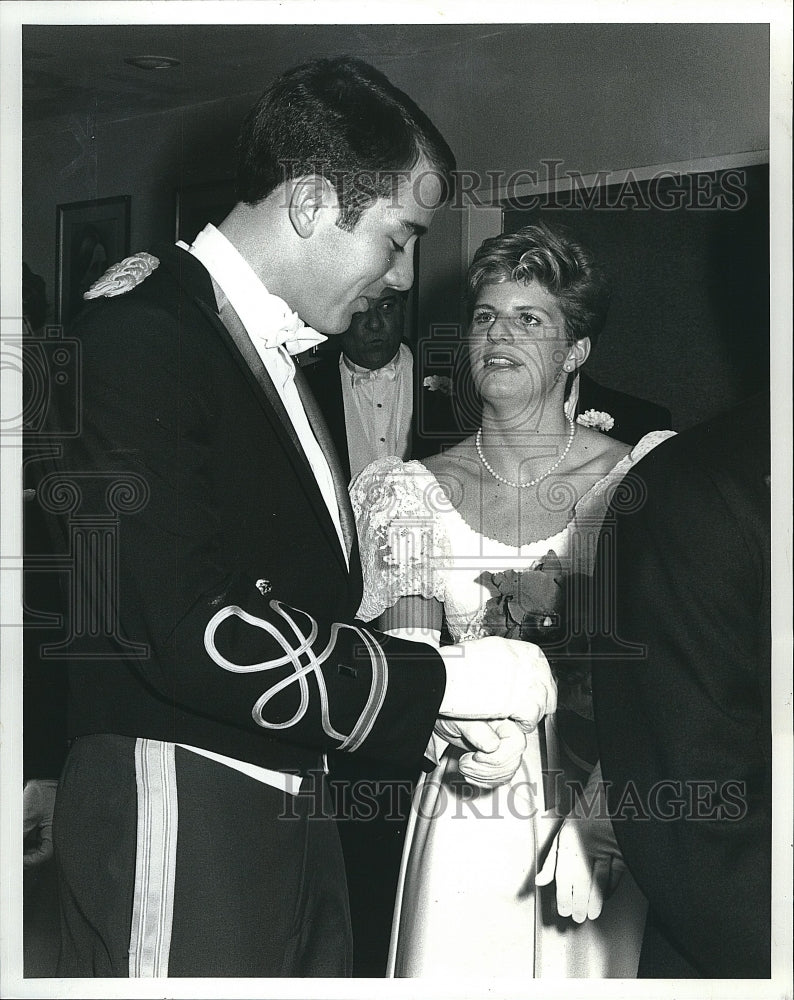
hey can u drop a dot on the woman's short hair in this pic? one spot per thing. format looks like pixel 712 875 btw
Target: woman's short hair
pixel 557 262
pixel 342 119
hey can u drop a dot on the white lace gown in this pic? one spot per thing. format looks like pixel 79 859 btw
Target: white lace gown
pixel 467 903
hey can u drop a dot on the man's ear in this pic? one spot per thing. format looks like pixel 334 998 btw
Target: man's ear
pixel 312 199
pixel 580 352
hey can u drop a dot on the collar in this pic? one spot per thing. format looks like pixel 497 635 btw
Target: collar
pixel 358 374
pixel 268 320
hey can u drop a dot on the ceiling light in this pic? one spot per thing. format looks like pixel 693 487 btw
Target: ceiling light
pixel 153 62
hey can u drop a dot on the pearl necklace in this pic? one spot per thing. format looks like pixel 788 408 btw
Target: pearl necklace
pixel 537 479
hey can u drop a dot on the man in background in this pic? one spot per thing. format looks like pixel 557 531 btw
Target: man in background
pixel 369 394
pixel 366 395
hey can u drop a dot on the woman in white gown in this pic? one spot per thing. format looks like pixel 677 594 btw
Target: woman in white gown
pixel 498 534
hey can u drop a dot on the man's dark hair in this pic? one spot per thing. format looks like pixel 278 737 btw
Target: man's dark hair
pixel 340 118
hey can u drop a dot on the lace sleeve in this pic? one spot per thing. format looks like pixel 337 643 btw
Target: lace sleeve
pixel 592 506
pixel 647 443
pixel 404 548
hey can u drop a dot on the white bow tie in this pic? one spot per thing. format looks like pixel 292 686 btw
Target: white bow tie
pixel 281 327
pixel 388 371
pixel 268 319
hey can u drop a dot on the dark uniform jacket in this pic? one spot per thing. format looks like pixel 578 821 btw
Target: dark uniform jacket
pixel 209 602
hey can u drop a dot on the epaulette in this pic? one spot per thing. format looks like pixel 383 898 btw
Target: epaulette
pixel 124 276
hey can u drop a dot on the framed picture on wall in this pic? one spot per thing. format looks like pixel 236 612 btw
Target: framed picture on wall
pixel 198 204
pixel 90 236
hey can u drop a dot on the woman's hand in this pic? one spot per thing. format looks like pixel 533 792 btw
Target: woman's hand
pixel 584 859
pixel 585 869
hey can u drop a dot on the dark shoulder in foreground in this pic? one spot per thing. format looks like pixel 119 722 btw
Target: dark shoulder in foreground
pixel 737 439
pixel 177 277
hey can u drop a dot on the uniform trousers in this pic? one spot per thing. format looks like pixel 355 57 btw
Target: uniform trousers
pixel 170 864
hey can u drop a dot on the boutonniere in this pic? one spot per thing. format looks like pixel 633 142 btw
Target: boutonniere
pixel 438 383
pixel 598 419
pixel 124 276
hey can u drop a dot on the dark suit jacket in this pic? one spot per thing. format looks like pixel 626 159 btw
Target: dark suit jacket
pixel 195 514
pixel 684 732
pixel 634 417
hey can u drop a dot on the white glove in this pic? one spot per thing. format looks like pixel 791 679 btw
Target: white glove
pixel 584 859
pixel 495 748
pixel 465 733
pixel 38 806
pixel 496 678
pixel 488 769
pixel 468 733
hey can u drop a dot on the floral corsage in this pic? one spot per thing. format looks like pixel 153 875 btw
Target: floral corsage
pixel 438 383
pixel 598 419
pixel 544 606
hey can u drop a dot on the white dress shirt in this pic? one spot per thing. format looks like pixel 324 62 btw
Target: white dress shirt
pixel 378 409
pixel 264 317
pixel 260 313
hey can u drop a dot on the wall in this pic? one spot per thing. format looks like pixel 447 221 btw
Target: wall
pixel 145 157
pixel 688 322
pixel 600 97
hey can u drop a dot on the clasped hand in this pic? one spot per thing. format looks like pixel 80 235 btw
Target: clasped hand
pixel 497 691
pixel 493 748
pixel 38 804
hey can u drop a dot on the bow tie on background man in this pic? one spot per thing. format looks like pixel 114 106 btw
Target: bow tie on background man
pixel 388 371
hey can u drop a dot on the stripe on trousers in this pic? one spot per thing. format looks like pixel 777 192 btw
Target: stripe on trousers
pixel 155 859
